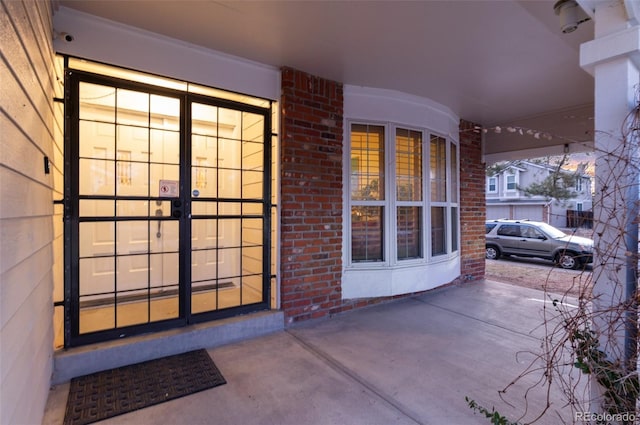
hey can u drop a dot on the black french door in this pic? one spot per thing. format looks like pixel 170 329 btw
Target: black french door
pixel 167 208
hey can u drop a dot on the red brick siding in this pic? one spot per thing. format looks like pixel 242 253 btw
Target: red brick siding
pixel 311 200
pixel 473 211
pixel 311 195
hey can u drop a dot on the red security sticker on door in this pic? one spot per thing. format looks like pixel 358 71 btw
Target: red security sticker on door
pixel 169 189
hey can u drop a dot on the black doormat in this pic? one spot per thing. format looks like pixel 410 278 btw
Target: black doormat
pixel 113 392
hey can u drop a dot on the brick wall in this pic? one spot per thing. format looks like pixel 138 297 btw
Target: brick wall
pixel 311 195
pixel 311 199
pixel 473 210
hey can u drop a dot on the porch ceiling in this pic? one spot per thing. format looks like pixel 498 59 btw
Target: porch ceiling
pixel 497 63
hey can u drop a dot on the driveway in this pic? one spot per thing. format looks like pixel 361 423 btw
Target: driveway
pixel 550 277
pixel 411 361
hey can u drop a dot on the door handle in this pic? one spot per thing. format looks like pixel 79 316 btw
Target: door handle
pixel 159 214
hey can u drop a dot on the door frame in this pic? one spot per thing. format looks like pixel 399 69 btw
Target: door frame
pixel 71 201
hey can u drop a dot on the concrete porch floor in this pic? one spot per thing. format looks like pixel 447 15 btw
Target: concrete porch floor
pixel 411 361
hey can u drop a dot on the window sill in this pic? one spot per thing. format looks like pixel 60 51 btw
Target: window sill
pixel 383 280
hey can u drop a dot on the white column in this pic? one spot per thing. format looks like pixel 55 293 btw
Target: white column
pixel 613 58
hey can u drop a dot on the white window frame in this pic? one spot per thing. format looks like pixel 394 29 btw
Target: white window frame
pixel 515 182
pixel 579 184
pixel 390 203
pixel 495 185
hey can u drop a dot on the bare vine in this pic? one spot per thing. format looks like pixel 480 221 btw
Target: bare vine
pixel 588 359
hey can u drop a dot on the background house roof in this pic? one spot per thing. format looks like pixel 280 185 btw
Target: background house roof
pixel 497 63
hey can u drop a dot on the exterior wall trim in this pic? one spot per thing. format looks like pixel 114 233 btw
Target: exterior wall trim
pixel 100 40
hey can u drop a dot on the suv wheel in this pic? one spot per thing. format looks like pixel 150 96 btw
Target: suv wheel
pixel 492 252
pixel 567 261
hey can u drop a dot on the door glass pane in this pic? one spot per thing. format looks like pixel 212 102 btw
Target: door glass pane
pixel 204 234
pixel 97 293
pixel 204 119
pixel 252 184
pixel 132 107
pixel 96 208
pixel 132 296
pixel 166 147
pixel 164 236
pixel 204 264
pixel 251 289
pixel 164 269
pixel 98 239
pixel 230 208
pixel 204 176
pixel 134 141
pixel 252 261
pixel 252 156
pixel 164 112
pixel 97 140
pixel 229 183
pixel 229 153
pixel 97 103
pixel 132 208
pixel 204 208
pixel 98 177
pixel 132 237
pixel 160 172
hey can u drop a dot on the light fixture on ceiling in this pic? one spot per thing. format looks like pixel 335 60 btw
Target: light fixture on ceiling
pixel 571 15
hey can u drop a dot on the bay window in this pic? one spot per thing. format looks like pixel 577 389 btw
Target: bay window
pixel 397 215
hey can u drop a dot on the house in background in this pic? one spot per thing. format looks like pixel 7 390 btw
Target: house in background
pixel 507 196
pixel 184 174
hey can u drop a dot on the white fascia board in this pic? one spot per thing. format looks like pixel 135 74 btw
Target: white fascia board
pixel 622 44
pixel 113 43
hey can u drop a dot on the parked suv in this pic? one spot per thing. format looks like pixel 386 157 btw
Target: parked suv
pixel 536 239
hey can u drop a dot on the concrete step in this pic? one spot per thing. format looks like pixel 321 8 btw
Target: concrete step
pixel 78 361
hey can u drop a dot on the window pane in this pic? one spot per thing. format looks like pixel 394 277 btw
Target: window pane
pixel 438 170
pixel 366 233
pixel 453 161
pixel 454 229
pixel 511 182
pixel 438 235
pixel 408 165
pixel 492 184
pixel 367 162
pixel 409 230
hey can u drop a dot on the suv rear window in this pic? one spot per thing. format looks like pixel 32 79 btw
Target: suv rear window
pixel 509 230
pixel 489 227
